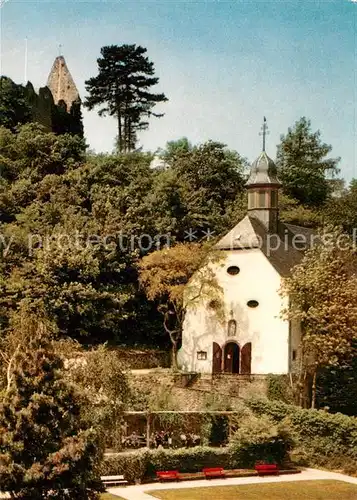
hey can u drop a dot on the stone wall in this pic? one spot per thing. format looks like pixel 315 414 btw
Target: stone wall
pixel 163 389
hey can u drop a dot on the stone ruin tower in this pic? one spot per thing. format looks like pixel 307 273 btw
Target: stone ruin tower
pixel 61 85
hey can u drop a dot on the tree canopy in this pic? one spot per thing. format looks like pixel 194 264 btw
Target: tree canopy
pixel 167 278
pixel 323 299
pixel 304 166
pixel 122 89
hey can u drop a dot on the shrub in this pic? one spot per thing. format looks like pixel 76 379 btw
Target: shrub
pixel 322 438
pixel 46 449
pixel 187 460
pixel 131 465
pixel 260 438
pixel 136 466
pixel 279 388
pixel 214 430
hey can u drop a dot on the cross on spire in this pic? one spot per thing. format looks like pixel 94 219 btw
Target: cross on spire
pixel 60 49
pixel 264 132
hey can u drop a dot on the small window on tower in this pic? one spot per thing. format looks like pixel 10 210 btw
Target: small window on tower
pixel 294 355
pixel 251 200
pixel 261 199
pixel 274 199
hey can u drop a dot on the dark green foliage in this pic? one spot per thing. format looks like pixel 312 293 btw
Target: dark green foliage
pixel 144 464
pixel 215 430
pixel 187 460
pixel 261 439
pixel 341 210
pixel 279 388
pixel 211 179
pixel 303 164
pixel 14 107
pixel 321 437
pixel 337 389
pixel 67 121
pixel 122 88
pixel 20 105
pixel 132 465
pixel 46 450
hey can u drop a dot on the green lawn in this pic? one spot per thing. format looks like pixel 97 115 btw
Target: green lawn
pixel 108 496
pixel 297 490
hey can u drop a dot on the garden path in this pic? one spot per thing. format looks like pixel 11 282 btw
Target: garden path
pixel 138 492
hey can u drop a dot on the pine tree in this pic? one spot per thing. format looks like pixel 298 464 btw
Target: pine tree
pixel 45 449
pixel 122 88
pixel 303 164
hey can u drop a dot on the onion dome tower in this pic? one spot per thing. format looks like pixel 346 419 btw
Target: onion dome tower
pixel 263 186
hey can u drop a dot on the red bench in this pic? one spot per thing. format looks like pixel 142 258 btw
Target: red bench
pixel 211 472
pixel 168 475
pixel 266 469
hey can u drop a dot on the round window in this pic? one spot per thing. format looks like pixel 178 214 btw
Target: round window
pixel 252 303
pixel 233 270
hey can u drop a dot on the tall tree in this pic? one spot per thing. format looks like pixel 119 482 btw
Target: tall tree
pixel 212 179
pixel 303 164
pixel 122 89
pixel 166 276
pixel 46 450
pixel 323 297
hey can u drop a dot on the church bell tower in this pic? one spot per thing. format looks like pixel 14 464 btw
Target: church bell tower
pixel 263 186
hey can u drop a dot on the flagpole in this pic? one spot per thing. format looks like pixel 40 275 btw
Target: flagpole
pixel 26 57
pixel 2 2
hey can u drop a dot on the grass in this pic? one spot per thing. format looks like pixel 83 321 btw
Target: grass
pixel 108 496
pixel 294 490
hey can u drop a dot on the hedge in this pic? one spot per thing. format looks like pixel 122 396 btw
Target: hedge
pixel 322 437
pixel 142 464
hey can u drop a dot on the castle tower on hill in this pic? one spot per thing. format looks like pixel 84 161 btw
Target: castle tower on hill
pixel 61 84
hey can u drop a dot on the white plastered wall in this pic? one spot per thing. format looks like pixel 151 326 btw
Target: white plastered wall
pixel 262 326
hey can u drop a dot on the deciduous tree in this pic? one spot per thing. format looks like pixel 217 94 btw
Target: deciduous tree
pixel 323 298
pixel 303 164
pixel 166 276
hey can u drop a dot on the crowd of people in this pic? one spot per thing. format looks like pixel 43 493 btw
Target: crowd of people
pixel 164 439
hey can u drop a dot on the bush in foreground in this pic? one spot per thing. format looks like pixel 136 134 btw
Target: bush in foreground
pixel 46 452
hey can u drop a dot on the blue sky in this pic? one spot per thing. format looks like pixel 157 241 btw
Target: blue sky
pixel 222 64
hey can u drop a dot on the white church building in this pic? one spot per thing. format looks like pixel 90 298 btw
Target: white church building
pixel 253 337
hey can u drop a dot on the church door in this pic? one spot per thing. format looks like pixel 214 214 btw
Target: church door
pixel 217 358
pixel 231 358
pixel 246 359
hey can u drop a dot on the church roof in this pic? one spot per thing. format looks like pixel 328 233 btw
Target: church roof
pixel 61 83
pixel 278 248
pixel 263 171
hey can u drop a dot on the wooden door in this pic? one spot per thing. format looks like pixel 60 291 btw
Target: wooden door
pixel 231 358
pixel 217 358
pixel 246 359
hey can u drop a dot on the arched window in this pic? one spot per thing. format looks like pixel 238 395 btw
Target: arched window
pixel 232 328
